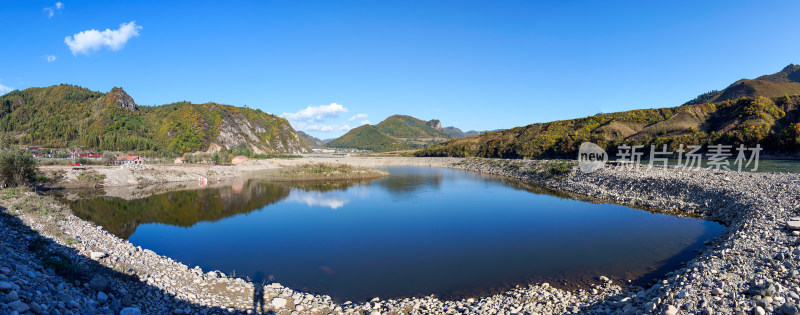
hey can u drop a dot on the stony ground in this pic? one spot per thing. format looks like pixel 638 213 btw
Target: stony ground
pixel 53 262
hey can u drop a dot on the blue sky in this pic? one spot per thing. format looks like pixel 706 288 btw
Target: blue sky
pixel 473 64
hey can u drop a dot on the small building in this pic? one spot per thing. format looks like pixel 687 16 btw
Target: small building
pixel 238 160
pixel 130 159
pixel 206 161
pixel 180 160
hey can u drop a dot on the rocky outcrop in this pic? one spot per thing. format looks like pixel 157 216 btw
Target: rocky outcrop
pixel 118 96
pixel 435 124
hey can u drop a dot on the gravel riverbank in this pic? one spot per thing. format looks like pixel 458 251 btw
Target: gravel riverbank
pixel 752 267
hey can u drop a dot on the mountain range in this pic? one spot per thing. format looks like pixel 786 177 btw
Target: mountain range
pixel 398 132
pixel 71 116
pixel 760 111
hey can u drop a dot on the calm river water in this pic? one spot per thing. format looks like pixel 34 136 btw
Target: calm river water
pixel 420 231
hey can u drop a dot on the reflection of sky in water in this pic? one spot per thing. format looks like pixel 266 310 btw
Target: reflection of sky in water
pixel 318 199
pixel 328 199
pixel 418 231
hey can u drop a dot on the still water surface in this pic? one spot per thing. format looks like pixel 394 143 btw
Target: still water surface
pixel 420 231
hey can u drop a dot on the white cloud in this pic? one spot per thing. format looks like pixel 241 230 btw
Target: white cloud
pixel 91 40
pixel 5 89
pixel 324 128
pixel 316 113
pixel 49 58
pixel 51 11
pixel 357 116
pixel 365 122
pixel 318 199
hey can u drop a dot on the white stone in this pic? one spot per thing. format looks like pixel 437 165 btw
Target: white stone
pixel 97 255
pixel 278 302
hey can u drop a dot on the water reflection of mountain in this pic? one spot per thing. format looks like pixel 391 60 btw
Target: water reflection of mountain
pixel 186 208
pixel 181 208
pixel 406 181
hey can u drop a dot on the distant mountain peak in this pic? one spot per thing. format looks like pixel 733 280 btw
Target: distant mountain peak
pixel 396 132
pixel 435 124
pixel 118 96
pixel 786 81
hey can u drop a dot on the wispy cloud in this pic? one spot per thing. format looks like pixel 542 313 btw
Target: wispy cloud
pixel 49 58
pixel 91 40
pixel 316 113
pixel 51 11
pixel 357 116
pixel 5 89
pixel 312 118
pixel 365 122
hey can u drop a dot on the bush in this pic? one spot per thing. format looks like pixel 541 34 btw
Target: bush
pixel 17 168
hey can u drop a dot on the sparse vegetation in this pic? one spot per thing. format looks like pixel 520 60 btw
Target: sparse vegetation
pixel 17 168
pixel 322 171
pixel 91 177
pixel 54 260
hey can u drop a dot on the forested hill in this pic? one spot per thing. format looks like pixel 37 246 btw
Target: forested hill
pixel 786 81
pixel 772 121
pixel 71 116
pixel 398 132
pixel 310 141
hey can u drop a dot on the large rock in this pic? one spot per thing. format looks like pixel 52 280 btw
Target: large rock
pixel 790 308
pixel 102 297
pixel 122 99
pixel 11 297
pixel 19 307
pixel 6 286
pixel 97 255
pixel 767 289
pixel 278 303
pixel 130 311
pixel 98 283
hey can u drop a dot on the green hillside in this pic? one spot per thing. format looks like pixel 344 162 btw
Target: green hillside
pixel 368 137
pixel 310 141
pixel 71 116
pixel 786 81
pixel 458 133
pixel 773 122
pixel 398 132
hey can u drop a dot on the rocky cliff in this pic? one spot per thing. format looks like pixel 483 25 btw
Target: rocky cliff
pixel 71 116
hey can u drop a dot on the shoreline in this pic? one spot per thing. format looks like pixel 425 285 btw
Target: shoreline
pixel 753 206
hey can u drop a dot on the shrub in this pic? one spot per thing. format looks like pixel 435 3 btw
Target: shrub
pixel 17 168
